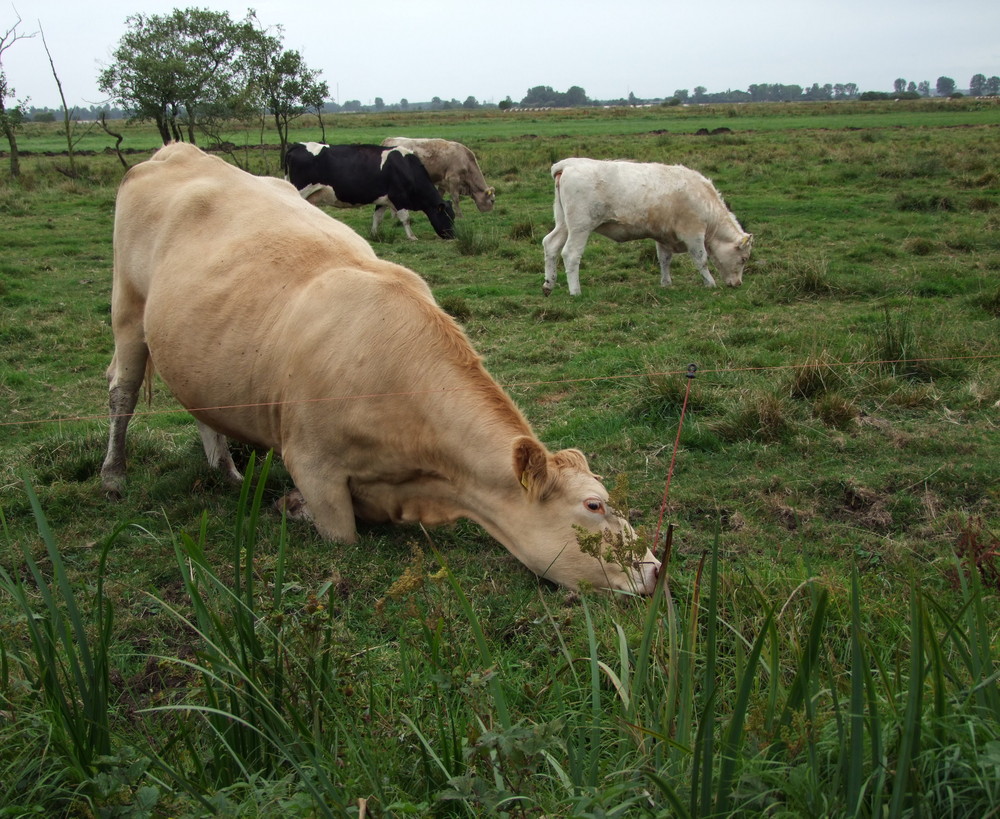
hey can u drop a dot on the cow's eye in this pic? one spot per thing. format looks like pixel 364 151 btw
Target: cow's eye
pixel 595 505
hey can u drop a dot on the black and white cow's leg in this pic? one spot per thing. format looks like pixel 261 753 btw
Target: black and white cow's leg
pixel 665 255
pixel 572 252
pixel 377 218
pixel 552 244
pixel 404 216
pixel 217 452
pixel 700 256
pixel 125 377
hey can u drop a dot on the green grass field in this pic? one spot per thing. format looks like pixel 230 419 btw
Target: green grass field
pixel 827 641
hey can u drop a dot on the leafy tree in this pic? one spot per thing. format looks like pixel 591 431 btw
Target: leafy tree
pixel 576 97
pixel 505 104
pixel 379 103
pixel 404 104
pixel 682 94
pixel 924 88
pixel 977 85
pixel 470 102
pixel 945 86
pixel 993 85
pixel 278 81
pixel 181 64
pixel 911 87
pixel 699 93
pixel 11 118
pixel 899 86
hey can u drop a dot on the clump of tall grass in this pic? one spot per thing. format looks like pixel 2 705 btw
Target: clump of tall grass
pixel 803 278
pixel 924 203
pixel 898 351
pixel 814 376
pixel 835 410
pixel 522 231
pixel 474 240
pixel 759 416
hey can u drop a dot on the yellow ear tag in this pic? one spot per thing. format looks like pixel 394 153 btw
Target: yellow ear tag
pixel 525 480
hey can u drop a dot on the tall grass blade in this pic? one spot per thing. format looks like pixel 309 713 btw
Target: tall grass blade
pixel 909 743
pixel 856 735
pixel 485 655
pixel 733 740
pixel 701 776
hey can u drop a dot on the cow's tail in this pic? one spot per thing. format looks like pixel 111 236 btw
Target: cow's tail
pixel 557 171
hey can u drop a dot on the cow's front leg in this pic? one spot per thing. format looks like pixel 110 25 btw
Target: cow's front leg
pixel 321 495
pixel 665 255
pixel 404 216
pixel 700 256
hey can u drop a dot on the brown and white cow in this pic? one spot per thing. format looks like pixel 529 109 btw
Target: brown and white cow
pixel 278 325
pixel 677 207
pixel 452 167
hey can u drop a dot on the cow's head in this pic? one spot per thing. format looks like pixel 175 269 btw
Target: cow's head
pixel 485 198
pixel 565 529
pixel 731 257
pixel 442 219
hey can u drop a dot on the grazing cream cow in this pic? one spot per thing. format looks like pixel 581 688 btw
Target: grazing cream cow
pixel 677 207
pixel 452 167
pixel 278 325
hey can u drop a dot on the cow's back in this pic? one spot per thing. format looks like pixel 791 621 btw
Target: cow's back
pixel 228 294
pixel 634 199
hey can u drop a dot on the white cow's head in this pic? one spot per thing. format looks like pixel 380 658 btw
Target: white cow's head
pixel 731 256
pixel 484 199
pixel 564 528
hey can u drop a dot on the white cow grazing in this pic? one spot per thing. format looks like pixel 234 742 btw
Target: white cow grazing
pixel 677 207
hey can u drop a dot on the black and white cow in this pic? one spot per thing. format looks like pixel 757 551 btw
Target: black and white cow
pixel 348 176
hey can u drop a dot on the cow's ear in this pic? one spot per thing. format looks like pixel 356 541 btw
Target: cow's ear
pixel 530 463
pixel 746 241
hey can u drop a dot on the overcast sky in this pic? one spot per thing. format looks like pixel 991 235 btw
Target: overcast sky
pixel 418 49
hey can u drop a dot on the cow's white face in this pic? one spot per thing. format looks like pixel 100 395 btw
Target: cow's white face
pixel 731 257
pixel 568 532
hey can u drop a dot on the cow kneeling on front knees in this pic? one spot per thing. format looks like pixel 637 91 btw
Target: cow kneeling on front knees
pixel 276 325
pixel 349 176
pixel 678 208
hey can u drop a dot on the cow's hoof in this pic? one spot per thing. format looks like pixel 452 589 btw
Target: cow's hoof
pixel 294 506
pixel 113 486
pixel 546 291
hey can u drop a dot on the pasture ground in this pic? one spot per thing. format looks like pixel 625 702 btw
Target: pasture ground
pixel 844 418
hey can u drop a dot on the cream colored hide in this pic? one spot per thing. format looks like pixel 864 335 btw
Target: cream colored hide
pixel 275 324
pixel 452 167
pixel 678 208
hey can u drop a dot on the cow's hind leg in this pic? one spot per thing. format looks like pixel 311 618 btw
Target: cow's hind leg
pixel 377 218
pixel 552 244
pixel 125 377
pixel 217 452
pixel 572 252
pixel 665 255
